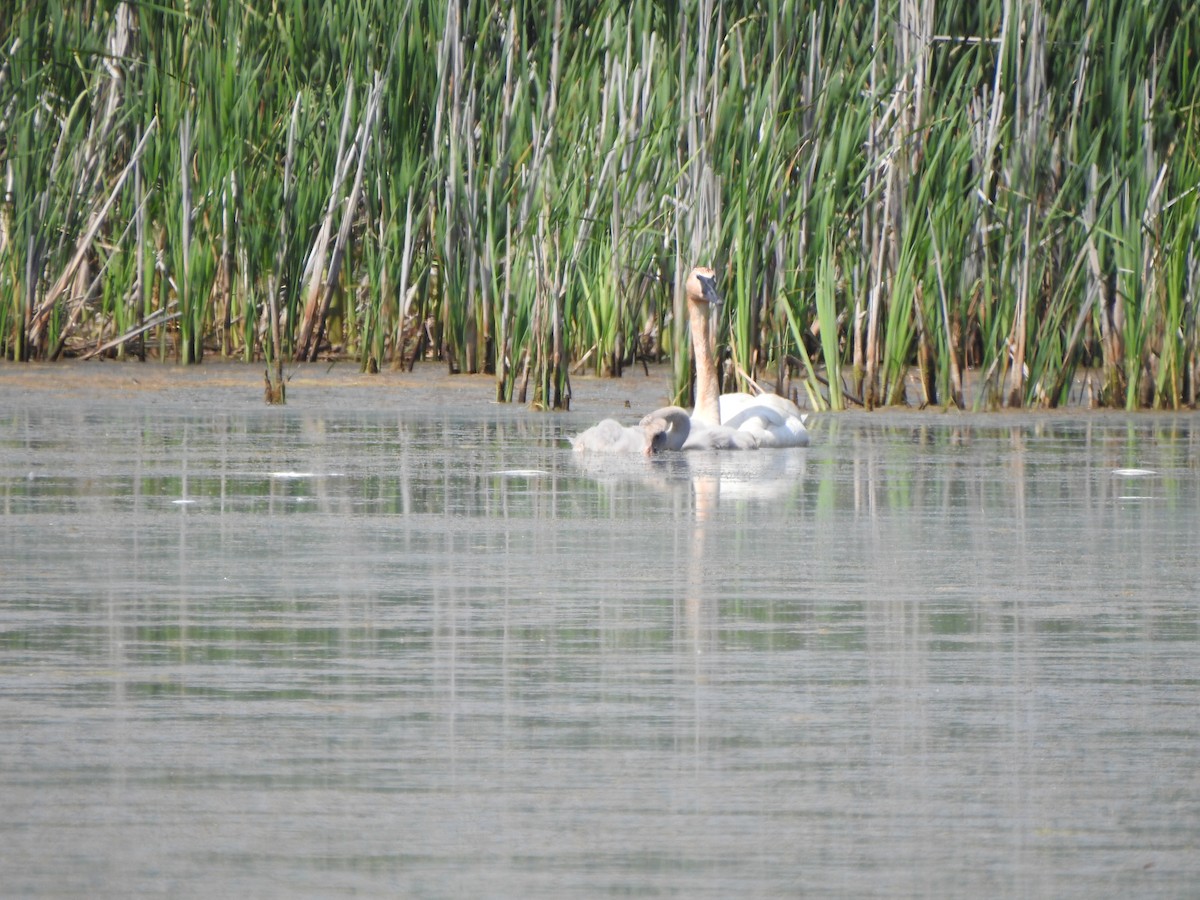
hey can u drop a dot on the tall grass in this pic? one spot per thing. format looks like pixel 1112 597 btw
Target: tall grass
pixel 1007 188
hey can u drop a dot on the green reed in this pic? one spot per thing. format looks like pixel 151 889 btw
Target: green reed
pixel 1007 188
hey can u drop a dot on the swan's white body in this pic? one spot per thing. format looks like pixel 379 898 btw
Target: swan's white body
pixel 772 421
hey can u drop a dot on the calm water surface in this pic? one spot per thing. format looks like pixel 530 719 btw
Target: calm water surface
pixel 386 642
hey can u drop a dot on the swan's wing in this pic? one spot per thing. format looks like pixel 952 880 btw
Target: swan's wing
pixel 733 406
pixel 774 420
pixel 789 434
pixel 770 409
pixel 743 410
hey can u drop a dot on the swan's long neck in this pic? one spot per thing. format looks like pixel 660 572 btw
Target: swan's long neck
pixel 708 409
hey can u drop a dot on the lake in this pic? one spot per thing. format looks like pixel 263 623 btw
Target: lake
pixel 394 639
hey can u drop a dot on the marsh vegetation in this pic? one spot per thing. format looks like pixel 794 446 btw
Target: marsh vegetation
pixel 1005 187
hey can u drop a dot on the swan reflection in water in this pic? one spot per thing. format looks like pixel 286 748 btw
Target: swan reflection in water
pixel 708 476
pixel 701 493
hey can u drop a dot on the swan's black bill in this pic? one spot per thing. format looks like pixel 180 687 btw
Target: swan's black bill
pixel 708 284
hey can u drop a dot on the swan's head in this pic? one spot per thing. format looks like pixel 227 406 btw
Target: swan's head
pixel 655 430
pixel 702 286
pixel 667 428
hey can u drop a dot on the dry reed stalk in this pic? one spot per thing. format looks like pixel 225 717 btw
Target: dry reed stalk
pixel 84 297
pixel 185 215
pixel 159 318
pixel 42 313
pixel 365 134
pixel 276 389
pixel 403 291
pixel 315 269
pixel 956 386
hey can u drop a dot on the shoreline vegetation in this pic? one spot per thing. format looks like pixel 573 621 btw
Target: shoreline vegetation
pixel 1002 192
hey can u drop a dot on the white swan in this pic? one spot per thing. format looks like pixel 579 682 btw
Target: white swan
pixel 773 421
pixel 719 421
pixel 663 430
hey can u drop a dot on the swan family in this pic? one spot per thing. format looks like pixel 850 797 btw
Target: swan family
pixel 719 421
